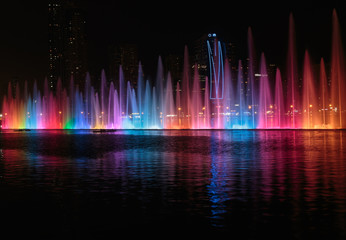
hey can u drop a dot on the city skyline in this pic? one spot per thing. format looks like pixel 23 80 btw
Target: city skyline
pixel 162 31
pixel 225 118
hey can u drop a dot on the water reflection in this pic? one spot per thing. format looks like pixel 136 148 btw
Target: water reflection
pixel 248 182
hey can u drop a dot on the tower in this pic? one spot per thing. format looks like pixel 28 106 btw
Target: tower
pixel 75 59
pixel 66 42
pixel 215 67
pixel 126 56
pixel 209 56
pixel 55 42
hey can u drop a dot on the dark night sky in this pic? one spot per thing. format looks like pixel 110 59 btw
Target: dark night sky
pixel 162 28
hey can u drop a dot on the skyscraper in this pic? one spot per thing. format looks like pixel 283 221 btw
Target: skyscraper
pixel 55 42
pixel 200 57
pixel 126 56
pixel 207 50
pixel 75 55
pixel 174 64
pixel 67 42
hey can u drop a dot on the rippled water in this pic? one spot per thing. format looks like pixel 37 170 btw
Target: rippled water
pixel 284 184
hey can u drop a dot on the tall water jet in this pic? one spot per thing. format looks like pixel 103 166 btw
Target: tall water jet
pixel 140 93
pixel 279 106
pixel 111 107
pixel 104 98
pixel 206 107
pixel 186 105
pixel 147 112
pixel 292 77
pixel 228 100
pixel 239 102
pixel 251 78
pixel 196 106
pixel 324 96
pixel 87 89
pixel 337 76
pixel 121 93
pixel 309 106
pixel 159 85
pixel 117 111
pixel 178 105
pixel 265 107
pixel 128 109
pixel 154 120
pixel 97 111
pixel 169 108
pixel 134 116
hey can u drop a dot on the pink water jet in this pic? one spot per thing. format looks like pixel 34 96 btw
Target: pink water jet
pixel 241 96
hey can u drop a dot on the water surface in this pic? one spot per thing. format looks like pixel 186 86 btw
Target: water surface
pixel 286 184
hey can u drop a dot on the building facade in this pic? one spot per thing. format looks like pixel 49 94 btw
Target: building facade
pixel 124 55
pixel 67 42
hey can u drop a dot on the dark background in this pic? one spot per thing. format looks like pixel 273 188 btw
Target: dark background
pixel 165 27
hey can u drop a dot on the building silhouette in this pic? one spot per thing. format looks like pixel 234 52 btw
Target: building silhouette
pixel 203 49
pixel 67 42
pixel 55 42
pixel 126 56
pixel 173 63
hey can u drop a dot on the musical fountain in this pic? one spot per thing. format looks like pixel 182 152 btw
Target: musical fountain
pixel 222 101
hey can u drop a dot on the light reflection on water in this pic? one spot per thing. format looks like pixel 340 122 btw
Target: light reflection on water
pixel 248 182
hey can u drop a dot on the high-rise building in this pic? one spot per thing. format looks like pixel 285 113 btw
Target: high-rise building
pixel 55 42
pixel 201 54
pixel 200 57
pixel 14 86
pixel 231 55
pixel 208 51
pixel 126 56
pixel 67 42
pixel 75 51
pixel 174 64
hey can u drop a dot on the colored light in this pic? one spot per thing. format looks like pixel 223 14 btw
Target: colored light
pixel 119 106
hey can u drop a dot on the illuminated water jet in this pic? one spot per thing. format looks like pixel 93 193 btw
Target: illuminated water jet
pixel 226 99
